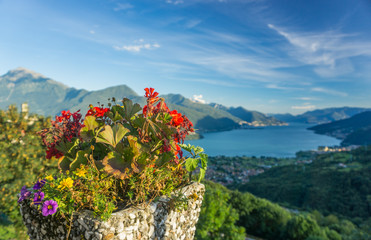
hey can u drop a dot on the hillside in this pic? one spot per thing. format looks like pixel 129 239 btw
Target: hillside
pixel 354 130
pixel 48 97
pixel 321 115
pixel 337 183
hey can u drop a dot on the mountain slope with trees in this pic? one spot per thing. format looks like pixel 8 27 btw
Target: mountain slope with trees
pixel 337 183
pixel 354 130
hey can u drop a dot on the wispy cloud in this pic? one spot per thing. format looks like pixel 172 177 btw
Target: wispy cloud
pixel 329 91
pixel 275 86
pixel 137 47
pixel 304 107
pixel 175 2
pixel 307 98
pixel 210 81
pixel 123 6
pixel 193 23
pixel 329 51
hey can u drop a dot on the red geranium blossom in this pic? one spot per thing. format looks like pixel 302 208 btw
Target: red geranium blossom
pixel 97 111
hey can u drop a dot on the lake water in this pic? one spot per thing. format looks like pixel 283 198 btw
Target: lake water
pixel 279 141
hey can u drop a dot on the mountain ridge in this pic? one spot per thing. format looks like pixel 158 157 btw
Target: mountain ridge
pixel 353 131
pixel 320 116
pixel 46 96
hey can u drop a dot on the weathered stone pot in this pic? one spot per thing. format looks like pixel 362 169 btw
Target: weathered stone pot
pixel 159 220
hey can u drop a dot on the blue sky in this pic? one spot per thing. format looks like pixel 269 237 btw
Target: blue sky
pixel 272 56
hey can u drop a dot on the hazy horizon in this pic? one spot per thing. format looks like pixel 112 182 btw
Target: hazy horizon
pixel 139 94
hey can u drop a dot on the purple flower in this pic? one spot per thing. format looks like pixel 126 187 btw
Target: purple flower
pixel 49 207
pixel 38 197
pixel 24 194
pixel 39 184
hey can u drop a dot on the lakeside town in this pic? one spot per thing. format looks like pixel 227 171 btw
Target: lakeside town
pixel 231 171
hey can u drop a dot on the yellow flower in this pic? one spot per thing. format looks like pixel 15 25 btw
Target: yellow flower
pixel 81 172
pixel 65 183
pixel 49 178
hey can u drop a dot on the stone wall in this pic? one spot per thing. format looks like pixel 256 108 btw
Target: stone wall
pixel 159 220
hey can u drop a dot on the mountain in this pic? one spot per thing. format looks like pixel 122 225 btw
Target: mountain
pixel 321 115
pixel 248 117
pixel 354 130
pixel 48 97
pixel 285 117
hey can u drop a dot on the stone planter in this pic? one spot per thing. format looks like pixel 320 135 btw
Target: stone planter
pixel 159 220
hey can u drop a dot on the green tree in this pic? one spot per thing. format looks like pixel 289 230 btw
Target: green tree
pixel 301 227
pixel 217 218
pixel 258 216
pixel 22 160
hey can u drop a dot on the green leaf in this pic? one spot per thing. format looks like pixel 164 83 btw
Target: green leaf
pixel 186 147
pixel 167 118
pixel 202 174
pixel 68 148
pixel 203 158
pixel 197 150
pixel 87 132
pixel 112 136
pixel 117 112
pixel 90 123
pixel 191 164
pixel 164 158
pixel 115 164
pixel 81 158
pixel 64 163
pixel 129 109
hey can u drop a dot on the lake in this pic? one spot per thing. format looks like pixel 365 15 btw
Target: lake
pixel 275 141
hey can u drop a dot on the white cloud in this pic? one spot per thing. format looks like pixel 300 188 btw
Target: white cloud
pixel 198 98
pixel 123 6
pixel 176 2
pixel 193 23
pixel 275 86
pixel 307 98
pixel 137 47
pixel 278 87
pixel 342 67
pixel 92 32
pixel 305 107
pixel 329 91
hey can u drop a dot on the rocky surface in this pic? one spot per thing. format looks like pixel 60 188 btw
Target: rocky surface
pixel 158 220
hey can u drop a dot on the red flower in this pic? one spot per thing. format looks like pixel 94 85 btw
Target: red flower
pixel 150 93
pixel 65 115
pixel 145 110
pixel 64 128
pixel 97 111
pixel 177 118
pixel 52 151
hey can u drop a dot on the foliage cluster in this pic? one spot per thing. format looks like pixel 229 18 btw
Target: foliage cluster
pixel 337 183
pixel 115 156
pixel 228 214
pixel 22 160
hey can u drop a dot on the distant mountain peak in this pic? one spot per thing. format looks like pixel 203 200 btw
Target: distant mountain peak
pixel 20 72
